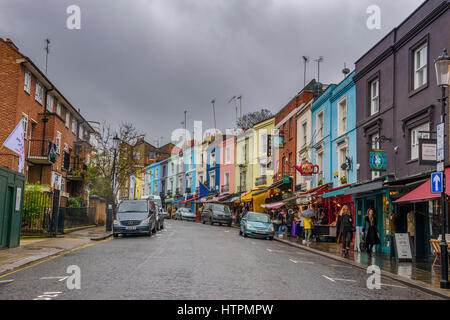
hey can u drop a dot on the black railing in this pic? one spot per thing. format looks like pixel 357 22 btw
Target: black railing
pixel 37 212
pixel 74 217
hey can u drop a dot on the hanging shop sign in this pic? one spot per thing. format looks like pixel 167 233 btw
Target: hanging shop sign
pixel 427 152
pixel 307 168
pixel 377 160
pixel 270 152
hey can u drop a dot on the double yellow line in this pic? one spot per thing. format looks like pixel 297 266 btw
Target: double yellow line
pixel 54 257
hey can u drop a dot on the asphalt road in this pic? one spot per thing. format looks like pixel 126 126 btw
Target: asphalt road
pixel 193 261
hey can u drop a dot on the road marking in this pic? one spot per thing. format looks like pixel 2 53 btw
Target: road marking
pixel 59 278
pixel 48 295
pixel 6 281
pixel 227 231
pixel 54 257
pixel 296 261
pixel 393 285
pixel 274 250
pixel 332 280
pixel 349 280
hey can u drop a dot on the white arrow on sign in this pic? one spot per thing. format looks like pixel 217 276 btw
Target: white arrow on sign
pixel 436 181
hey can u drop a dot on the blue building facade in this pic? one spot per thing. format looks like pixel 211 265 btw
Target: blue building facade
pixel 343 133
pixel 155 180
pixel 213 167
pixel 321 137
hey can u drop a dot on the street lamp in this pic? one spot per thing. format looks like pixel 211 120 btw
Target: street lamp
pixel 442 65
pixel 116 147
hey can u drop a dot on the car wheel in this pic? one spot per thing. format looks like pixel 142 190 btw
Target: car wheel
pixel 220 223
pixel 203 221
pixel 245 235
pixel 115 235
pixel 210 220
pixel 229 225
pixel 270 238
pixel 240 231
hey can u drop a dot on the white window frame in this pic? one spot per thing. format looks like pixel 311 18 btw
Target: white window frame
pixel 212 179
pixel 319 162
pixel 74 126
pixel 25 125
pixel 415 135
pixel 375 145
pixel 374 98
pixel 341 160
pixel 226 179
pixel 342 116
pixel 27 84
pixel 305 133
pixel 67 118
pixel 320 123
pixel 49 103
pixel 420 67
pixel 227 155
pixel 58 108
pixel 58 142
pixel 39 95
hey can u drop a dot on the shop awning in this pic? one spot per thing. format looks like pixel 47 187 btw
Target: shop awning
pixel 274 205
pixel 189 200
pixel 423 192
pixel 247 196
pixel 168 200
pixel 366 187
pixel 177 201
pixel 312 191
pixel 335 192
pixel 273 186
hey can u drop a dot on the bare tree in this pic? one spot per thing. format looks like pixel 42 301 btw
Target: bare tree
pixel 248 120
pixel 101 173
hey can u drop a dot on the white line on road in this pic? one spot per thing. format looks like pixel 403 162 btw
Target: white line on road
pixel 332 280
pixel 349 280
pixel 274 250
pixel 296 261
pixel 393 285
pixel 337 279
pixel 51 278
pixel 6 281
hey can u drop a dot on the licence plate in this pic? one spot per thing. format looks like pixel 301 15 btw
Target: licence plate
pixel 131 228
pixel 262 232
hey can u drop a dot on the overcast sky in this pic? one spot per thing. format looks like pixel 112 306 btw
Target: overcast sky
pixel 146 61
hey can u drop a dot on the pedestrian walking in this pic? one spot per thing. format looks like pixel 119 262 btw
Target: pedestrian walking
pixel 307 223
pixel 289 221
pixel 345 229
pixel 370 232
pixel 282 221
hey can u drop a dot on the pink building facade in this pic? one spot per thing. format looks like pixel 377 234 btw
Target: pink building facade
pixel 227 161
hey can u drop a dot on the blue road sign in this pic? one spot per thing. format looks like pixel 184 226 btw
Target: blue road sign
pixel 436 182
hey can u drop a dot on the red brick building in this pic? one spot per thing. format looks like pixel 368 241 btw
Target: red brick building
pixel 57 137
pixel 286 123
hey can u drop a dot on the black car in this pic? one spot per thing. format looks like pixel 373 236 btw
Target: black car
pixel 217 213
pixel 136 217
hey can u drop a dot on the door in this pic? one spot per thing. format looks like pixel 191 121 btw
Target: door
pixel 421 237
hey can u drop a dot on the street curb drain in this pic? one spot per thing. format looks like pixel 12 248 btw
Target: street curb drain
pixel 387 274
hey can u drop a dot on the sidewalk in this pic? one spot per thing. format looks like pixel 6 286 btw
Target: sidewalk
pixel 31 250
pixel 417 273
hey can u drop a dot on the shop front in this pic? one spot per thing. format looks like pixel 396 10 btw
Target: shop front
pixel 419 213
pixel 375 196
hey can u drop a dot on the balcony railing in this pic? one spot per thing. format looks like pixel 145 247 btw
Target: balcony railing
pixel 260 181
pixel 77 169
pixel 39 152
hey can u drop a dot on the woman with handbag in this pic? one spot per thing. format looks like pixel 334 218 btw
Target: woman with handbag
pixel 345 228
pixel 370 231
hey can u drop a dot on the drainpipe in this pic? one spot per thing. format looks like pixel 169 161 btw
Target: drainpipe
pixel 44 120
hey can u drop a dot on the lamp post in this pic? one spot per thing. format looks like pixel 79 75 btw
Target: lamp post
pixel 115 146
pixel 442 65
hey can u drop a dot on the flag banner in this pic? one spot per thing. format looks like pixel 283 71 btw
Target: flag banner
pixel 204 192
pixel 15 142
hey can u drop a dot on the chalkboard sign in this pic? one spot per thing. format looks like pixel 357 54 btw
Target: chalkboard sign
pixel 402 242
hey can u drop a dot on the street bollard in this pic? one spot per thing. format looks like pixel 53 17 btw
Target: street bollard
pixel 109 217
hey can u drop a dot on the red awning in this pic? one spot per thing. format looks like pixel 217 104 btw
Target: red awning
pixel 423 192
pixel 189 200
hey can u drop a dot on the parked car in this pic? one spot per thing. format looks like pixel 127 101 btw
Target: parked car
pixel 136 217
pixel 181 212
pixel 257 225
pixel 188 215
pixel 217 213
